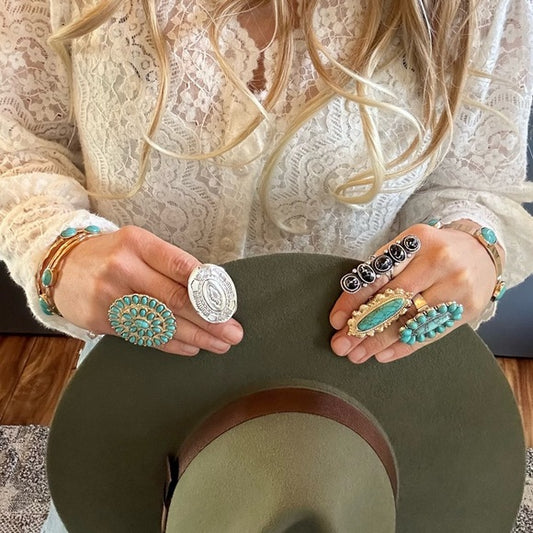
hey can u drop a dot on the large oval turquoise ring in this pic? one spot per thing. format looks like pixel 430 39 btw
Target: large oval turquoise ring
pixel 142 320
pixel 379 312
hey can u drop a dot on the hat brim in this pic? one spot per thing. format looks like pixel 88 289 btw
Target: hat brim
pixel 447 411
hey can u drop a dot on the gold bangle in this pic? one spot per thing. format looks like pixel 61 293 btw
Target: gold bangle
pixel 486 237
pixel 50 267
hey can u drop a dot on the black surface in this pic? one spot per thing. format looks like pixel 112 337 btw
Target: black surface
pixel 15 316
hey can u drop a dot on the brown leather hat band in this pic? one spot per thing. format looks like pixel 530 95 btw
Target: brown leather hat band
pixel 289 400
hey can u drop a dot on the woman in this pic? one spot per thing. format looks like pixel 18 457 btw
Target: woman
pixel 208 131
pixel 205 131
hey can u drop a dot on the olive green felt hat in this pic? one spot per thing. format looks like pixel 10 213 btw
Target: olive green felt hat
pixel 280 435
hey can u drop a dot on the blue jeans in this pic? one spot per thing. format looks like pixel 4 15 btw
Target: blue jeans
pixel 53 523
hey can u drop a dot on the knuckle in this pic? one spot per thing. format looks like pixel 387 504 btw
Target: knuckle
pixel 181 262
pixel 197 337
pixel 422 231
pixel 176 298
pixel 114 264
pixel 443 254
pixel 129 234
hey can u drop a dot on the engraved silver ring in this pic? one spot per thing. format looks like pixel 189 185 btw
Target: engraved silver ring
pixel 212 293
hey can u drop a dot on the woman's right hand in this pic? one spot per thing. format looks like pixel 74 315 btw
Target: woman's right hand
pixel 132 260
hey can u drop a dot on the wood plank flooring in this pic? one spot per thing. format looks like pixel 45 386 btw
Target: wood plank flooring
pixel 33 373
pixel 35 370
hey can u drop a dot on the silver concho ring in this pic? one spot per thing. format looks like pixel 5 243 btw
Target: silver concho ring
pixel 212 293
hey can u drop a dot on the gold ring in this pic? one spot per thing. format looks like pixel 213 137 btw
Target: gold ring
pixel 420 302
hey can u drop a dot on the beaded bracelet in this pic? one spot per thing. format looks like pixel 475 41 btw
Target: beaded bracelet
pixel 50 267
pixel 488 239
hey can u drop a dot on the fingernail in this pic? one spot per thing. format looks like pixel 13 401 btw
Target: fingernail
pixel 385 356
pixel 220 346
pixel 341 346
pixel 190 350
pixel 233 334
pixel 357 354
pixel 339 319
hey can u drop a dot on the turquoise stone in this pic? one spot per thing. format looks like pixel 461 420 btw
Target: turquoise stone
pixel 144 300
pixel 430 325
pixel 381 314
pixel 135 299
pixel 69 232
pixel 45 307
pixel 501 293
pixel 433 222
pixel 142 323
pixel 92 229
pixel 489 235
pixel 46 278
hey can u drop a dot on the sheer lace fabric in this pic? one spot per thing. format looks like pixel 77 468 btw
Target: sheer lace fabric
pixel 211 208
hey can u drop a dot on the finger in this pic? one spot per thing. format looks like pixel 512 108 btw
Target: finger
pixel 169 260
pixel 173 346
pixel 347 302
pixel 189 334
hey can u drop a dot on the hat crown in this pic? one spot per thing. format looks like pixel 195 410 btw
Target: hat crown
pixel 282 473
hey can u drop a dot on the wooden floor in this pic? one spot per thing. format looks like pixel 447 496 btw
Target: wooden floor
pixel 34 371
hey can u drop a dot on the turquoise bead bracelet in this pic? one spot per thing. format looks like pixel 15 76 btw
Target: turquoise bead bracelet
pixel 50 267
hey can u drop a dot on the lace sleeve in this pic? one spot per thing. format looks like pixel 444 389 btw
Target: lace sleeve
pixel 41 185
pixel 482 176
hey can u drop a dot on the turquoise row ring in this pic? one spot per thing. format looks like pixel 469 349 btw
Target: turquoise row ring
pixel 142 320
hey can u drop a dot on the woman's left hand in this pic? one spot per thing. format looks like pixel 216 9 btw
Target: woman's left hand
pixel 451 265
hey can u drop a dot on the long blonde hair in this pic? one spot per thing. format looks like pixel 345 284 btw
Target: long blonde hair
pixel 436 42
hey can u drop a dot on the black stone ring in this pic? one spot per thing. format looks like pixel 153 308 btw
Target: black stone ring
pixel 368 272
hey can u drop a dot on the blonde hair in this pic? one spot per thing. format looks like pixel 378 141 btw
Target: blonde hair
pixel 436 42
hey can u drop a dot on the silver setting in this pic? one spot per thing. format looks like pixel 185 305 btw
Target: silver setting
pixel 212 293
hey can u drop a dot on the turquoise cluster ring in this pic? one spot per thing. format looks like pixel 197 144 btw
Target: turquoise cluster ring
pixel 142 320
pixel 430 321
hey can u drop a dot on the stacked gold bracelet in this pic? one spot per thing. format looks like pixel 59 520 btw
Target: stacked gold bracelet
pixel 50 267
pixel 487 238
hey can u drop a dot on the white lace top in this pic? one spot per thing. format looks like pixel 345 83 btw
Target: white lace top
pixel 211 208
